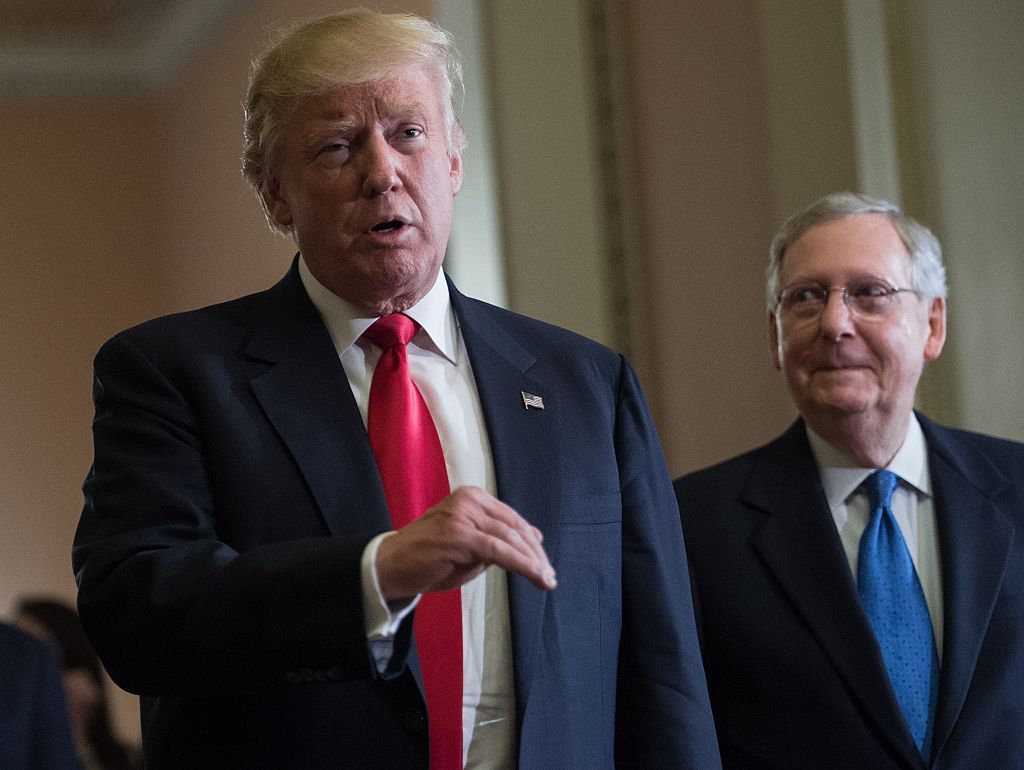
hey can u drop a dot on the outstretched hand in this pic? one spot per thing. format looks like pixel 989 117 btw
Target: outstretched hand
pixel 455 541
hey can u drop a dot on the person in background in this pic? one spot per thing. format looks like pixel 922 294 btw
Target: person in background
pixel 361 520
pixel 57 624
pixel 34 729
pixel 859 581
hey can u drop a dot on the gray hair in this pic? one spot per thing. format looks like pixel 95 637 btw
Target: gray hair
pixel 927 273
pixel 341 49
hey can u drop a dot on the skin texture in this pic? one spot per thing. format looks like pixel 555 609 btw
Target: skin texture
pixel 353 159
pixel 853 378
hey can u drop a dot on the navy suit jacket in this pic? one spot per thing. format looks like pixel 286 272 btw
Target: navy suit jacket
pixel 234 489
pixel 34 728
pixel 795 675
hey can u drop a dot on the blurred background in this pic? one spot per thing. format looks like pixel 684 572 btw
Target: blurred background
pixel 629 161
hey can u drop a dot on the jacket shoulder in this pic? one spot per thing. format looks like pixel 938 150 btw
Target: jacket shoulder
pixel 529 331
pixel 729 474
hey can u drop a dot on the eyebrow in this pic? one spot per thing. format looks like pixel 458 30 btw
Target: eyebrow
pixel 331 123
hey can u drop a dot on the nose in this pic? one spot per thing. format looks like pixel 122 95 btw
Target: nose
pixel 836 317
pixel 381 171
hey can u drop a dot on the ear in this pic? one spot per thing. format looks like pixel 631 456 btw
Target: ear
pixel 275 202
pixel 455 173
pixel 773 340
pixel 936 329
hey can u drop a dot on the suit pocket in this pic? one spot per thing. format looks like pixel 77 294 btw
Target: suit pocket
pixel 590 508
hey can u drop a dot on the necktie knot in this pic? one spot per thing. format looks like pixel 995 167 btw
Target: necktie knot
pixel 390 330
pixel 879 487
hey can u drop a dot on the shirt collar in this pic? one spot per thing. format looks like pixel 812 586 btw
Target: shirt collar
pixel 346 323
pixel 841 477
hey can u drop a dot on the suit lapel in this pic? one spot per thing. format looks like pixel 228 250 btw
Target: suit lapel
pixel 800 546
pixel 306 397
pixel 974 541
pixel 525 447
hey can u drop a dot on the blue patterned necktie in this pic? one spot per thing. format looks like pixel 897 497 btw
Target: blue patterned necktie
pixel 894 603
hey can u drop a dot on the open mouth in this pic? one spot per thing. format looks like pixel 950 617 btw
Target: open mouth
pixel 388 226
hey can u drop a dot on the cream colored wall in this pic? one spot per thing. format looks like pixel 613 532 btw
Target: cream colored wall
pixel 78 264
pixel 806 69
pixel 546 155
pixel 79 257
pixel 703 190
pixel 961 117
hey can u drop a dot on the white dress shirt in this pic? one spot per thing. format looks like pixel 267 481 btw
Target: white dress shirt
pixel 440 368
pixel 912 507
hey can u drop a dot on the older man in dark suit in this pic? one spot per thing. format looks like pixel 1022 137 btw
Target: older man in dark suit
pixel 324 522
pixel 860 579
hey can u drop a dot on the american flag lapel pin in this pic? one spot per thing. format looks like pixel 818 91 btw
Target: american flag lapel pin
pixel 530 401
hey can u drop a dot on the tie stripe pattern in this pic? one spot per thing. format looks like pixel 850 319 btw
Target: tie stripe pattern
pixel 412 470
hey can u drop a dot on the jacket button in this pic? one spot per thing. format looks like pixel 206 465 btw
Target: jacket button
pixel 414 721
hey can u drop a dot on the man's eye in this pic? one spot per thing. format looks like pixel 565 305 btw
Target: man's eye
pixel 333 147
pixel 412 133
pixel 804 294
pixel 872 290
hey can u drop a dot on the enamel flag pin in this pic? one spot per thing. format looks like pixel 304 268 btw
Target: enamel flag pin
pixel 531 401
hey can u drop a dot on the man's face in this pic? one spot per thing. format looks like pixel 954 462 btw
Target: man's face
pixel 840 363
pixel 365 181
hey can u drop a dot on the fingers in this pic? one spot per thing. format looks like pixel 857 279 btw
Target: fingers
pixel 511 542
pixel 456 540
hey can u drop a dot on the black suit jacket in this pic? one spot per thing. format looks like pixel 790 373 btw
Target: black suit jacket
pixel 233 492
pixel 34 728
pixel 795 675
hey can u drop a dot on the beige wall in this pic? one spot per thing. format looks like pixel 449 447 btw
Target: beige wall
pixel 704 193
pixel 78 264
pixel 961 118
pixel 79 258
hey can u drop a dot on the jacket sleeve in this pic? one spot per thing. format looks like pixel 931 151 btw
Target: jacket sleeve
pixel 663 716
pixel 170 605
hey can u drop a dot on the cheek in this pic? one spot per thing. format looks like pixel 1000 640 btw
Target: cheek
pixel 793 349
pixel 900 350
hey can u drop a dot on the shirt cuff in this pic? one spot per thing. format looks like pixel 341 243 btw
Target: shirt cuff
pixel 382 618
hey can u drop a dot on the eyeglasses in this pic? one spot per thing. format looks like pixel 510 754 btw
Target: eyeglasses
pixel 866 297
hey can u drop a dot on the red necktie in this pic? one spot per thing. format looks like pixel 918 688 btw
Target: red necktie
pixel 412 469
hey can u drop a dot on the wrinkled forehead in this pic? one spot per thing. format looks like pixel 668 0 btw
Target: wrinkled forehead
pixel 842 249
pixel 351 109
pixel 415 89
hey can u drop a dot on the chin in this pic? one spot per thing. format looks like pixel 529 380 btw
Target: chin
pixel 400 266
pixel 842 405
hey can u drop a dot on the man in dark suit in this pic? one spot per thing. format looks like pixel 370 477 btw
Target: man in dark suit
pixel 239 556
pixel 35 731
pixel 819 651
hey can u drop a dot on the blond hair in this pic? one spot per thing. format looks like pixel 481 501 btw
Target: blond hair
pixel 341 49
